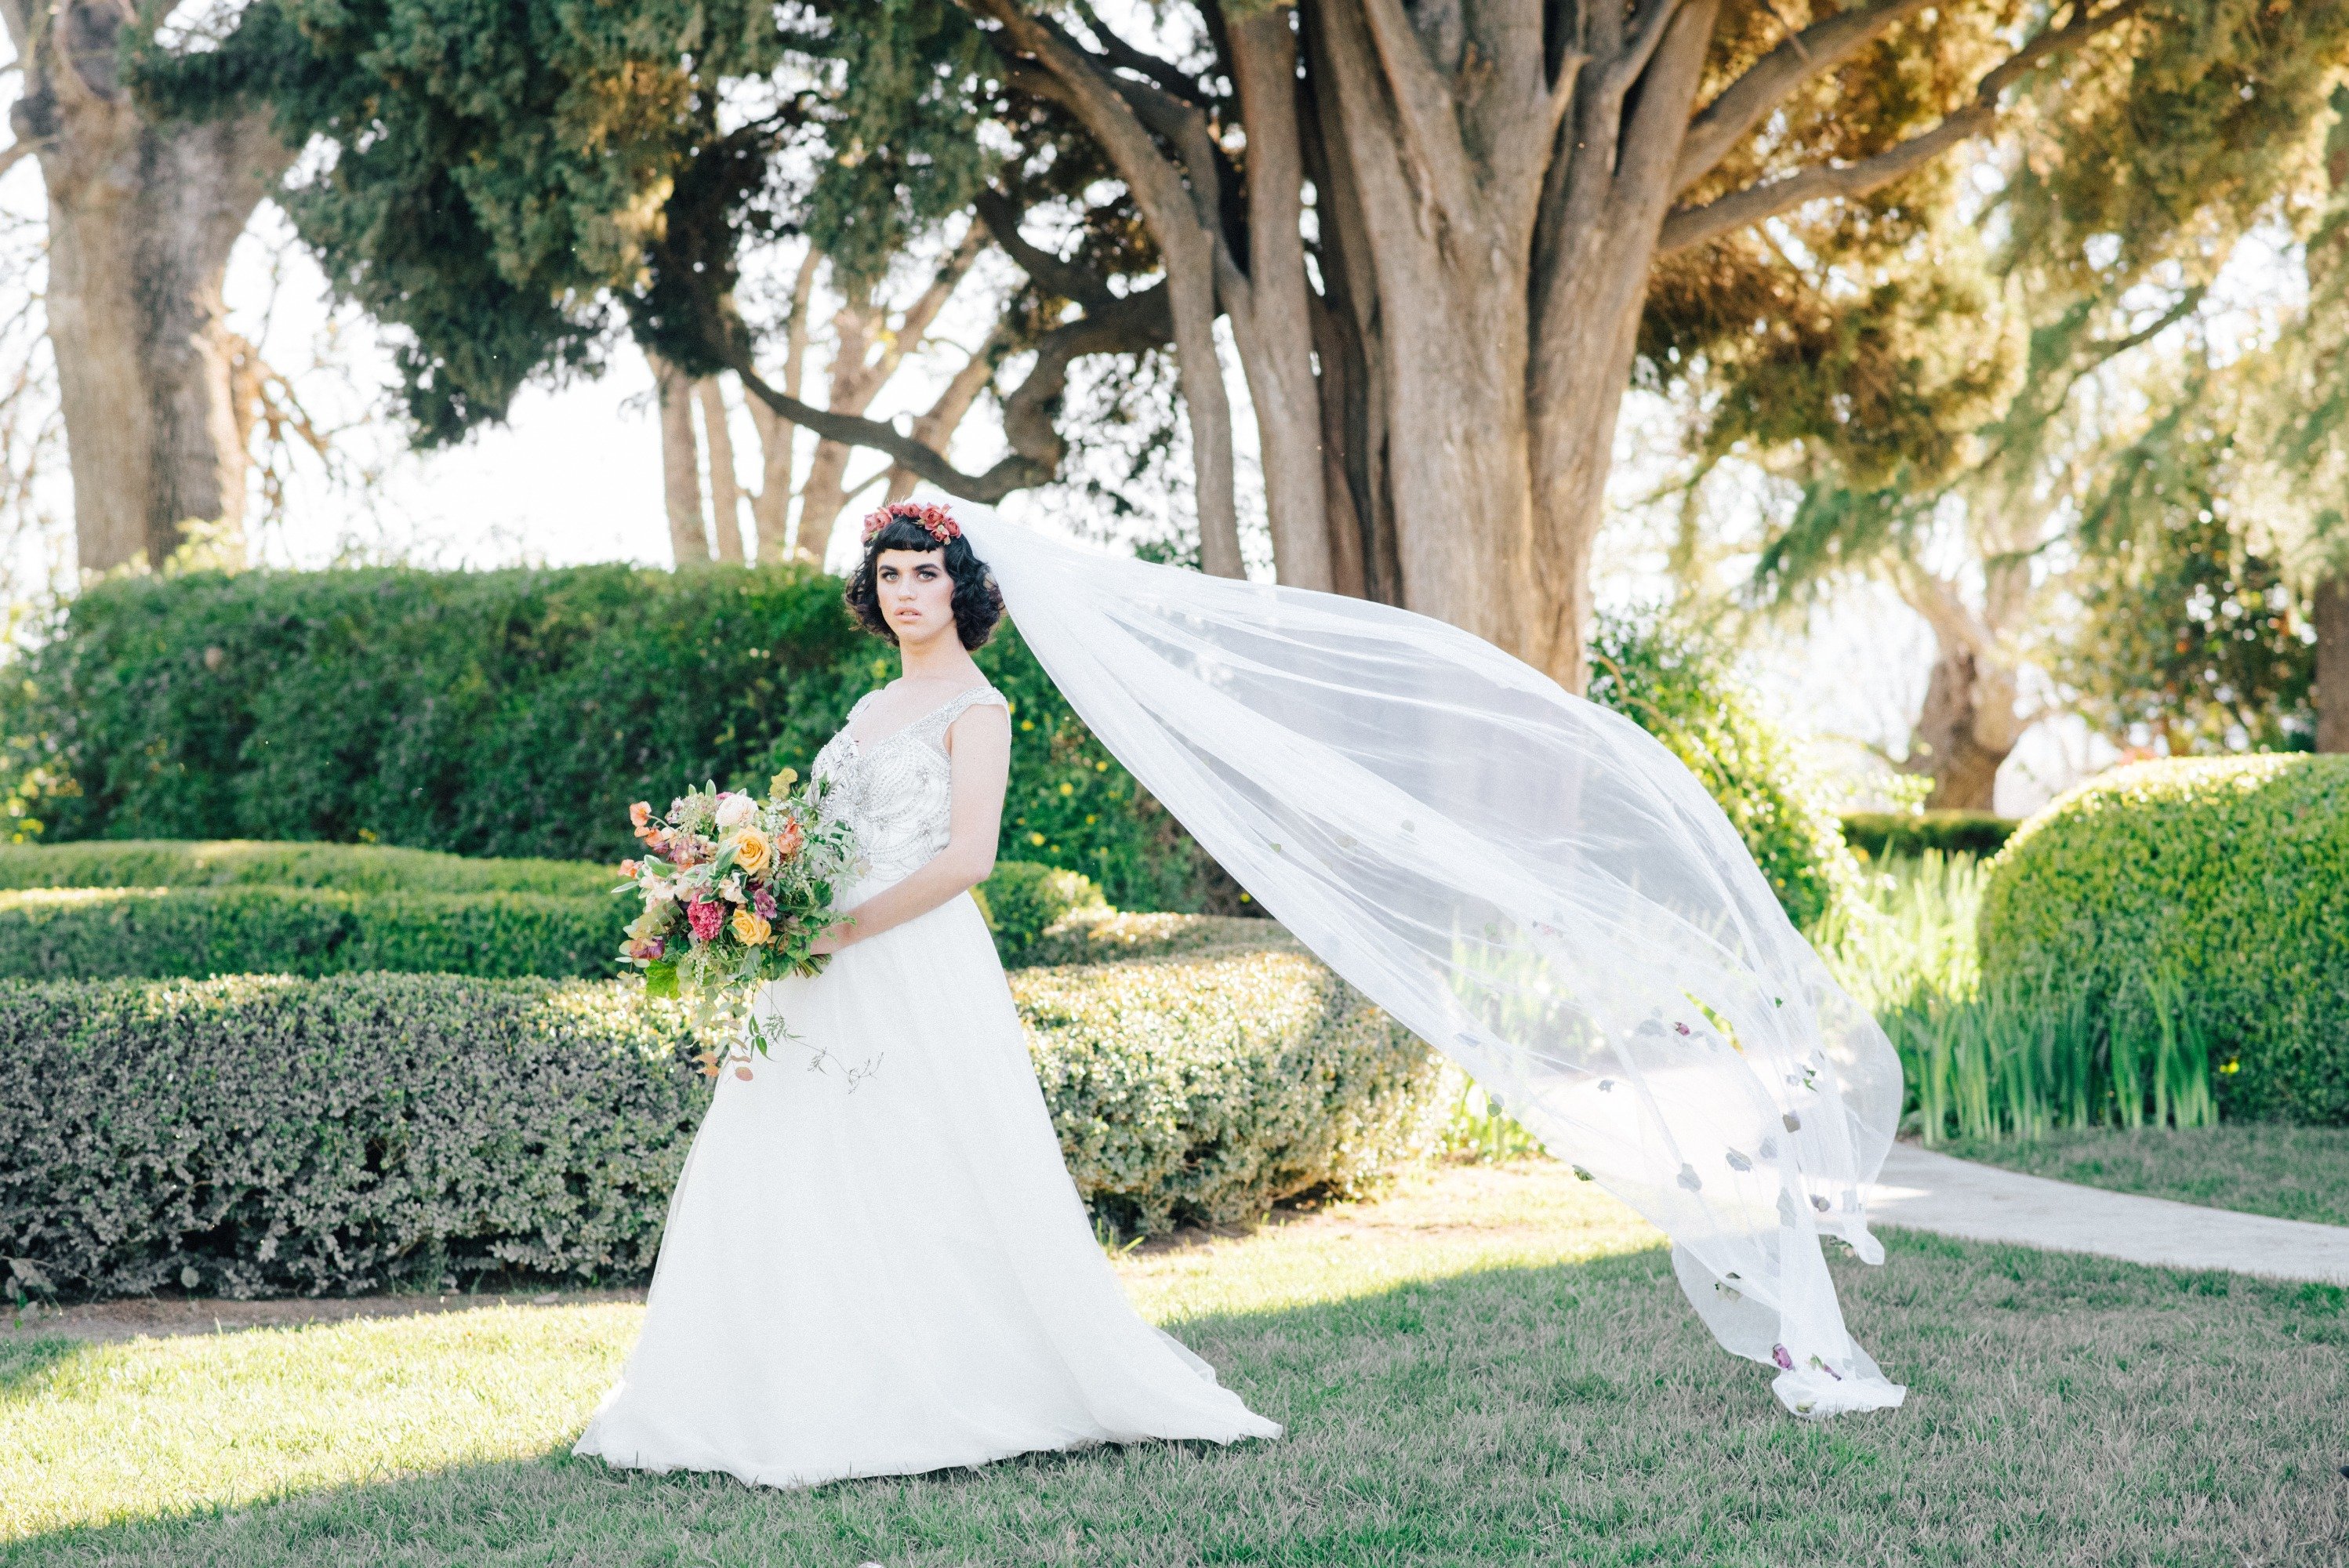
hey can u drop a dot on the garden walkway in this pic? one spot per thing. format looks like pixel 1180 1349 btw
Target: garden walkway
pixel 1928 1191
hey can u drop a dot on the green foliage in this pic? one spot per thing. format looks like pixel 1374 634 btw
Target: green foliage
pixel 1676 686
pixel 257 1136
pixel 501 171
pixel 2189 638
pixel 264 1136
pixel 1203 1089
pixel 351 868
pixel 1897 835
pixel 87 933
pixel 2227 882
pixel 1021 898
pixel 510 713
pixel 2020 1060
pixel 517 714
pixel 2006 1058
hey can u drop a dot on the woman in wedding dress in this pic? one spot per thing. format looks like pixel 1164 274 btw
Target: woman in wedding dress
pixel 876 1262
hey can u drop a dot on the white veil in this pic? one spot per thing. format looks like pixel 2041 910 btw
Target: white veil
pixel 1531 884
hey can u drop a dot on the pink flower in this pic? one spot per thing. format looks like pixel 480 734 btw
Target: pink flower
pixel 639 814
pixel 646 952
pixel 764 900
pixel 1784 1357
pixel 707 917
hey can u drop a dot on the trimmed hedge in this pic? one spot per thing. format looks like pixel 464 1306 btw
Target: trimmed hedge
pixel 88 933
pixel 517 713
pixel 512 713
pixel 242 862
pixel 262 1135
pixel 2229 875
pixel 1897 835
pixel 1203 1089
pixel 1022 900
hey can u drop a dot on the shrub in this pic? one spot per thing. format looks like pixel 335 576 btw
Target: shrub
pixel 99 932
pixel 517 713
pixel 510 713
pixel 1675 685
pixel 264 1135
pixel 1203 1089
pixel 1905 835
pixel 233 862
pixel 1021 898
pixel 2225 881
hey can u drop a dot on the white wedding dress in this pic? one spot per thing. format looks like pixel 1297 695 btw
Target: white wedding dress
pixel 876 1262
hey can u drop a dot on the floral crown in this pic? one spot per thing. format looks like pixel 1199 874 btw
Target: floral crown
pixel 940 522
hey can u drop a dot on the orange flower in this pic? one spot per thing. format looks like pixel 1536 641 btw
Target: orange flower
pixel 640 814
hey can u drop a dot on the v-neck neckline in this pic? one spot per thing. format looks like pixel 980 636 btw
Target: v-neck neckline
pixel 865 746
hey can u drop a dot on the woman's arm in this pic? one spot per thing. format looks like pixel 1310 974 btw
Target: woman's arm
pixel 980 744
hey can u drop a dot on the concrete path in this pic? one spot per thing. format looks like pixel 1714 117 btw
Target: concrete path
pixel 1927 1192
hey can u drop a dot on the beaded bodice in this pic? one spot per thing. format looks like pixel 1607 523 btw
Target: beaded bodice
pixel 896 792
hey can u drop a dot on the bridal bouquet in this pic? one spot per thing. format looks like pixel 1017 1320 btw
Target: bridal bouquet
pixel 737 891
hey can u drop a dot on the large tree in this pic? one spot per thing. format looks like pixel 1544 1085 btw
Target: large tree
pixel 1966 409
pixel 142 216
pixel 1432 226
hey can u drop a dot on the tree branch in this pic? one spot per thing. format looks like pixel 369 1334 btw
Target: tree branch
pixel 1001 215
pixel 1014 472
pixel 1691 226
pixel 1423 103
pixel 1743 104
pixel 15 152
pixel 1647 32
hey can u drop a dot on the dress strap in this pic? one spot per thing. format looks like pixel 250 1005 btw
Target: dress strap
pixel 935 723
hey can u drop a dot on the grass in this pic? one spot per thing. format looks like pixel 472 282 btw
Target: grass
pixel 2290 1172
pixel 1491 1367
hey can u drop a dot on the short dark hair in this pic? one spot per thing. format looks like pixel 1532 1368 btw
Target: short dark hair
pixel 977 603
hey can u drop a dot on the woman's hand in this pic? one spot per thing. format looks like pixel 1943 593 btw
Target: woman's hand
pixel 836 938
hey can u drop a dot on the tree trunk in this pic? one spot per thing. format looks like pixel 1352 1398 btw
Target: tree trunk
pixel 2331 615
pixel 141 218
pixel 689 533
pixel 1448 239
pixel 778 436
pixel 725 491
pixel 1965 731
pixel 1271 319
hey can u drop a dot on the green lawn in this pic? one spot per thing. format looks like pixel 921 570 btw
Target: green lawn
pixel 1493 1369
pixel 2290 1172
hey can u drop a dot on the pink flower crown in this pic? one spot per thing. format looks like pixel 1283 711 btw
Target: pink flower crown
pixel 940 522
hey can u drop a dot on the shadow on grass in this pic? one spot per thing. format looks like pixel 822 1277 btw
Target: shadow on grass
pixel 2061 1410
pixel 24 1361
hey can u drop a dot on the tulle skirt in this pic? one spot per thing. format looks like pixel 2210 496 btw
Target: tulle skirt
pixel 876 1262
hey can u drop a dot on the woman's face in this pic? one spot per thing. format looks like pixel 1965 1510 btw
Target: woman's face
pixel 915 594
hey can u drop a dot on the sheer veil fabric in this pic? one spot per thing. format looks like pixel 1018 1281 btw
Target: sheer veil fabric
pixel 1531 884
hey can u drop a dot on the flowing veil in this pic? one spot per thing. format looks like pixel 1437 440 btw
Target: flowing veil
pixel 1532 884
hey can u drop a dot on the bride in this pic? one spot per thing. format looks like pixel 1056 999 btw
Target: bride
pixel 876 1262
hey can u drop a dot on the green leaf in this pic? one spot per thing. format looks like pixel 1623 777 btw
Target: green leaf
pixel 660 978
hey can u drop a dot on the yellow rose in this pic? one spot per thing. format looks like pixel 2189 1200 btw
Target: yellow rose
pixel 752 927
pixel 751 850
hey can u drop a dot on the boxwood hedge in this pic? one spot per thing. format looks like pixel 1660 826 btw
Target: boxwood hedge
pixel 2228 876
pixel 245 863
pixel 102 932
pixel 267 1135
pixel 1894 835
